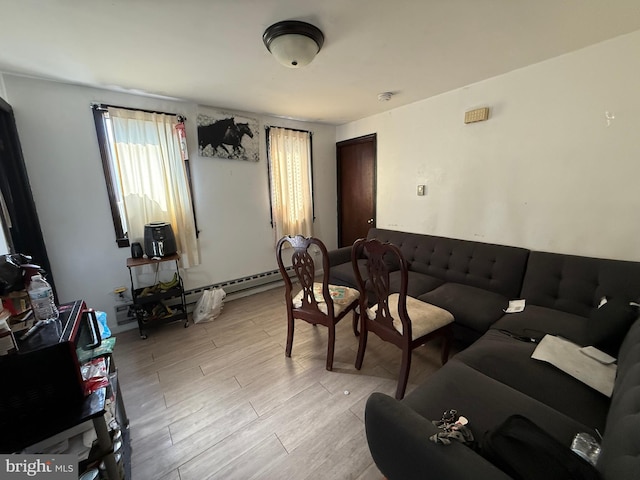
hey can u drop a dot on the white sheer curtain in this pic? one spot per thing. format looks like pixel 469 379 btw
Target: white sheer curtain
pixel 153 177
pixel 290 169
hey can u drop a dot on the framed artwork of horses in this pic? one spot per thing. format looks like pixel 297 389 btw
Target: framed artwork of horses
pixel 228 135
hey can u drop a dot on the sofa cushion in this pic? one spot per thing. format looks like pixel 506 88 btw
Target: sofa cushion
pixel 344 275
pixel 418 283
pixel 509 361
pixel 620 456
pixel 497 268
pixel 485 402
pixel 535 322
pixel 608 324
pixel 523 450
pixel 398 439
pixel 473 307
pixel 339 255
pixel 575 284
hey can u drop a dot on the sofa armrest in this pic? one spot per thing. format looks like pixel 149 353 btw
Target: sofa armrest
pixel 399 442
pixel 340 256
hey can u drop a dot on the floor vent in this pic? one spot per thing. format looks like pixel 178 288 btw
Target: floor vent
pixel 124 313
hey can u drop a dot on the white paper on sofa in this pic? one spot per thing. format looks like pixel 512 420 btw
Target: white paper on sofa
pixel 567 356
pixel 515 306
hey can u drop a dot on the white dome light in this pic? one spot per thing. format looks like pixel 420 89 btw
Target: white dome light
pixel 294 44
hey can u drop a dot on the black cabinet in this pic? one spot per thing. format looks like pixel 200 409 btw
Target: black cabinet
pixel 158 302
pixel 43 407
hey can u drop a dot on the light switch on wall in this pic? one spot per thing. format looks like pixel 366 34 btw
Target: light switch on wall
pixel 421 190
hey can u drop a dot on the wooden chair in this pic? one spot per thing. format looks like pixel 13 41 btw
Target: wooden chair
pixel 397 318
pixel 317 302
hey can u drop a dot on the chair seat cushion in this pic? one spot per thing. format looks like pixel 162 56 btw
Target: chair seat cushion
pixel 342 297
pixel 425 318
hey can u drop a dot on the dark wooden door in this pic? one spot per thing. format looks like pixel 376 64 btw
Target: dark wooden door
pixel 356 188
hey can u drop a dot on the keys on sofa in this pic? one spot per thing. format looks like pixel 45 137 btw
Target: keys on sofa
pixel 452 427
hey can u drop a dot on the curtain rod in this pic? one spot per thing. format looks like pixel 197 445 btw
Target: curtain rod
pixel 105 106
pixel 267 127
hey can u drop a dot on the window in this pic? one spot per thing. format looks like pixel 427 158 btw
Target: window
pixel 147 174
pixel 290 181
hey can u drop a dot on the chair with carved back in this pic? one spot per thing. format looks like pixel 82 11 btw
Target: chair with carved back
pixel 395 317
pixel 316 302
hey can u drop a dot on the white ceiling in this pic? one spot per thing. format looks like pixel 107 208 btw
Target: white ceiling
pixel 211 51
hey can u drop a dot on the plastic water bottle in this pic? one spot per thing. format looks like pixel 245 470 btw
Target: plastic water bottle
pixel 41 296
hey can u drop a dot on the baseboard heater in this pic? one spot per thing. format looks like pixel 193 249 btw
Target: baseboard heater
pixel 237 288
pixel 241 286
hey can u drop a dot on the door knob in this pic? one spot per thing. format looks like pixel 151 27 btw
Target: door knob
pixel 370 221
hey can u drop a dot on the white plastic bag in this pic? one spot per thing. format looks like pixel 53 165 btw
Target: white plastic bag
pixel 209 305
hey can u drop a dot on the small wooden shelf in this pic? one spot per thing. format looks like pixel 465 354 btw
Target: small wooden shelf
pixel 139 262
pixel 154 295
pixel 178 315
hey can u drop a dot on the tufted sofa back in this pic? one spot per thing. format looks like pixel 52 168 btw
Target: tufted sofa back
pixel 620 456
pixel 577 284
pixel 497 268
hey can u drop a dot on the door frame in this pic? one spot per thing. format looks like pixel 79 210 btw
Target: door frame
pixel 369 138
pixel 25 231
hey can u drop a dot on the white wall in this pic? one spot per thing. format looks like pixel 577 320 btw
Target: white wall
pixel 544 172
pixel 58 137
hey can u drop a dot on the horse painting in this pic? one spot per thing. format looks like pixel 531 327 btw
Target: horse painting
pixel 221 136
pixel 233 137
pixel 214 134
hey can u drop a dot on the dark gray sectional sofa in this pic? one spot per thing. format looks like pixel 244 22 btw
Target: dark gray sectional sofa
pixel 442 270
pixel 495 377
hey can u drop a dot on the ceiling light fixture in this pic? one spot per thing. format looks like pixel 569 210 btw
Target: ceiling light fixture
pixel 293 43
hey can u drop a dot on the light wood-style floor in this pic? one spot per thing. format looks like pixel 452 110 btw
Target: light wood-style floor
pixel 221 401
